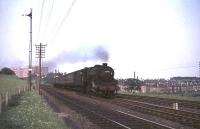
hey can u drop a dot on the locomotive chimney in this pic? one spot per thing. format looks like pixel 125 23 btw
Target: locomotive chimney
pixel 104 64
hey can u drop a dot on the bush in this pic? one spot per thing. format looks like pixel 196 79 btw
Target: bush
pixel 7 71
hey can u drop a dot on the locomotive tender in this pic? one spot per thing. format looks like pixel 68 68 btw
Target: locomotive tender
pixel 98 79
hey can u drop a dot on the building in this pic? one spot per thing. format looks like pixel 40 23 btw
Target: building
pixel 21 72
pixel 174 85
pixel 44 70
pixel 185 84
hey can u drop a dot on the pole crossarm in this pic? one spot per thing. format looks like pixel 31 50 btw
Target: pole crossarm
pixel 40 53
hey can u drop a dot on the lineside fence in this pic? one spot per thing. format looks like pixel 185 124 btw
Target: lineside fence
pixel 8 98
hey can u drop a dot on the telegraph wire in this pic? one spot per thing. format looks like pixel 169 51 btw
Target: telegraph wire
pixel 52 5
pixel 64 19
pixel 49 17
pixel 41 17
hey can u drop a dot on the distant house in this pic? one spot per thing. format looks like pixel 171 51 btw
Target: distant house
pixel 23 72
pixel 185 79
pixel 44 70
pixel 174 85
pixel 185 84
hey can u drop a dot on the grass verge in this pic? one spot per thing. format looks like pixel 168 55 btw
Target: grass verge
pixel 10 83
pixel 31 112
pixel 169 96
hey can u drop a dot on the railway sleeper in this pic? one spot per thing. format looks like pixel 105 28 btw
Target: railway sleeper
pixel 166 115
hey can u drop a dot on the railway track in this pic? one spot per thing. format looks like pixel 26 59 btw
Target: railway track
pixel 163 101
pixel 184 117
pixel 103 117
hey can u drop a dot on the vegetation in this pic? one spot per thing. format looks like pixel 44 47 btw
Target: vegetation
pixel 171 96
pixel 49 77
pixel 162 95
pixel 10 83
pixel 32 112
pixel 7 71
pixel 131 83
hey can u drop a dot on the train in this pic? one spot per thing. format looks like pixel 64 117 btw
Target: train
pixel 98 79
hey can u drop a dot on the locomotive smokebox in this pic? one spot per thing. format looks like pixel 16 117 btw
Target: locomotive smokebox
pixel 104 64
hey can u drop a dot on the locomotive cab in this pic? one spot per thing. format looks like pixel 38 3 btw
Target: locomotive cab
pixel 102 79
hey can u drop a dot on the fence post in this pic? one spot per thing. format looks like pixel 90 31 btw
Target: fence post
pixel 6 105
pixel 0 103
pixel 9 96
pixel 19 91
pixel 15 92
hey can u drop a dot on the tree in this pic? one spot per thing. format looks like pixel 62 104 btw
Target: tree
pixel 133 84
pixel 49 78
pixel 7 71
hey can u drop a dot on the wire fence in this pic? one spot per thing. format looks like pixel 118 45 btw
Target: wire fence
pixel 9 98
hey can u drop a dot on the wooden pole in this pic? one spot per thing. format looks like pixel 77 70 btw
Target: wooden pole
pixel 0 103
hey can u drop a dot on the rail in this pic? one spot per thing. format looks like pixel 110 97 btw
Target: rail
pixel 106 118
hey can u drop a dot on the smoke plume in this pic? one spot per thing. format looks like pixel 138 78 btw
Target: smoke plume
pixel 11 63
pixel 82 54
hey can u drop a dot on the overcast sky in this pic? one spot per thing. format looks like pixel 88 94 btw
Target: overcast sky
pixel 154 38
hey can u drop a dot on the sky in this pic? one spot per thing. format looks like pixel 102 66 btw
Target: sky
pixel 154 38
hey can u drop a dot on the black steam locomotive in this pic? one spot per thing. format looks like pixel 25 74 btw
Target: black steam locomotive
pixel 98 79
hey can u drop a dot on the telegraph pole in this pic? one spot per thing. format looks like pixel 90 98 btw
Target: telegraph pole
pixel 40 53
pixel 30 49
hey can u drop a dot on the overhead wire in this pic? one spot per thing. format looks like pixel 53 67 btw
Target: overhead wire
pixel 41 20
pixel 41 17
pixel 39 27
pixel 63 20
pixel 49 18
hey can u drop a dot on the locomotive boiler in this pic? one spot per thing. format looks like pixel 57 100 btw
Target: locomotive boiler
pixel 98 79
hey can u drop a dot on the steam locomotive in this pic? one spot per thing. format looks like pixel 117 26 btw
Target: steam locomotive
pixel 98 79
